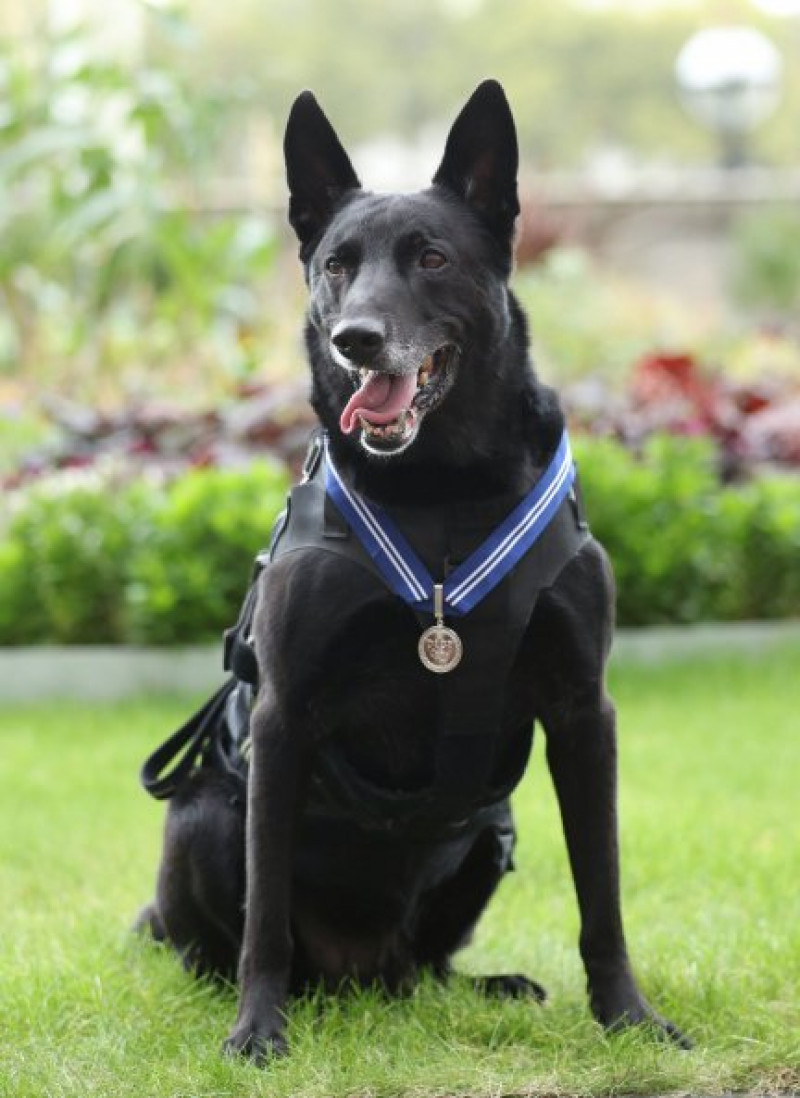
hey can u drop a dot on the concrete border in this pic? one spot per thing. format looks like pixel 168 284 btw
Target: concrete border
pixel 106 672
pixel 112 673
pixel 661 643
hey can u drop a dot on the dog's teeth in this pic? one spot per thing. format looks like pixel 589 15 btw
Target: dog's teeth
pixel 424 372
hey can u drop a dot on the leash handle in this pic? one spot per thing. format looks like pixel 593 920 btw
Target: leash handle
pixel 188 742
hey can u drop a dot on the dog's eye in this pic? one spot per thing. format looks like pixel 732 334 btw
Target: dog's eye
pixel 334 266
pixel 432 260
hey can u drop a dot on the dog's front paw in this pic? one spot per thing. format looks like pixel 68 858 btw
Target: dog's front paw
pixel 260 1046
pixel 618 1004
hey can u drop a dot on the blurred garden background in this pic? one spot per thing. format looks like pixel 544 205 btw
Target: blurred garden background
pixel 152 389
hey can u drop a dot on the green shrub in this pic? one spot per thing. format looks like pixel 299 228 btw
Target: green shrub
pixel 683 548
pixel 87 560
pixel 22 617
pixel 64 563
pixel 769 526
pixel 191 566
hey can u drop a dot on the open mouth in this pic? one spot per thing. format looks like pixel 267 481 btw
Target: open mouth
pixel 389 407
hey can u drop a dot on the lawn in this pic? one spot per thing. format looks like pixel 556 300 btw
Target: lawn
pixel 710 758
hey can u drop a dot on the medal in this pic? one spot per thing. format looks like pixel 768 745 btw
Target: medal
pixel 440 647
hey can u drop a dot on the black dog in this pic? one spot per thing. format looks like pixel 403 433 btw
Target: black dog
pixel 385 740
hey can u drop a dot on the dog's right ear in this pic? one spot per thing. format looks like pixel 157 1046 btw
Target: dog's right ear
pixel 318 170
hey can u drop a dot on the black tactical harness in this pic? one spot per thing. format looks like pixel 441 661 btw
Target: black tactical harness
pixel 470 784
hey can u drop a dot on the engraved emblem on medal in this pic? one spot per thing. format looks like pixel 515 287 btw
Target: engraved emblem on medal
pixel 440 647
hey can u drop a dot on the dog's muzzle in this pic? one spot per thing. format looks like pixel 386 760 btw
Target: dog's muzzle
pixel 388 407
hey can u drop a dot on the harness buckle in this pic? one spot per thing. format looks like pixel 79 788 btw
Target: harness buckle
pixel 578 508
pixel 314 453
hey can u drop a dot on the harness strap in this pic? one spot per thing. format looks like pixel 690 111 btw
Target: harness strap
pixel 238 653
pixel 191 741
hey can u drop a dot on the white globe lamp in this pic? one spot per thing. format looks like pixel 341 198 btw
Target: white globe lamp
pixel 729 79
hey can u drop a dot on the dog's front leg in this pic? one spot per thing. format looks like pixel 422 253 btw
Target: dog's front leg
pixel 266 958
pixel 582 756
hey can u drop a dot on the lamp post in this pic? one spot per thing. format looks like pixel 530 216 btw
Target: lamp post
pixel 729 78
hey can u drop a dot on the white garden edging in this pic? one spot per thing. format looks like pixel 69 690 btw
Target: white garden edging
pixel 107 672
pixel 657 643
pixel 114 672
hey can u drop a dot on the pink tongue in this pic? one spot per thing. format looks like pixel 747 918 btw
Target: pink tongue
pixel 380 400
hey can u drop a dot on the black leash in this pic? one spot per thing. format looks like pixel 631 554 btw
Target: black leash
pixel 192 742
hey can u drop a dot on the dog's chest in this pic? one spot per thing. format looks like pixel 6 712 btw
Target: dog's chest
pixel 351 665
pixel 385 712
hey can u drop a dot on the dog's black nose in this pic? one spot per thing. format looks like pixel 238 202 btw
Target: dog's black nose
pixel 361 341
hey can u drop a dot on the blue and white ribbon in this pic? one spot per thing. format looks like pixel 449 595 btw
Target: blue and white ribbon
pixel 475 577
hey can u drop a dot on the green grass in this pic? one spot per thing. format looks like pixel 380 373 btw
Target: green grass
pixel 710 762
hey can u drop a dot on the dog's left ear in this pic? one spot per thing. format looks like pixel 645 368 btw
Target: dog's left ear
pixel 318 170
pixel 481 159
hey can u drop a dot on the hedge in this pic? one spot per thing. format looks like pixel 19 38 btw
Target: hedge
pixel 90 558
pixel 685 549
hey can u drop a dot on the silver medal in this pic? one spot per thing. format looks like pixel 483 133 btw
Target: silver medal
pixel 440 647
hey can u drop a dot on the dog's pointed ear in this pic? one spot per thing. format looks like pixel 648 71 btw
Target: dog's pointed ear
pixel 318 170
pixel 481 159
